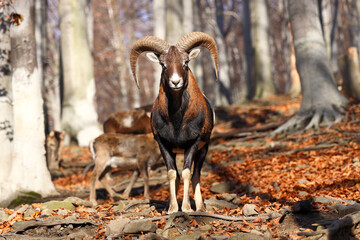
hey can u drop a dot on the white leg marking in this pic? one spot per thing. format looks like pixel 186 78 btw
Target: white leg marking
pixel 197 194
pixel 186 207
pixel 173 205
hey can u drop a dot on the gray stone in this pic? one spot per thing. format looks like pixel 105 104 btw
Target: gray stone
pixel 251 189
pixel 116 226
pixel 55 205
pixel 205 228
pixel 141 226
pixel 303 181
pixel 303 194
pixel 78 201
pixel 222 187
pixel 193 236
pixel 121 205
pixel 228 196
pixel 213 202
pixel 249 210
pixel 3 215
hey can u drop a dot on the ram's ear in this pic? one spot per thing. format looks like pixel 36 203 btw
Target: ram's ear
pixel 194 53
pixel 152 57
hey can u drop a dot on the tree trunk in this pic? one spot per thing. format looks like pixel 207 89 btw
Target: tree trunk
pixel 28 170
pixel 264 85
pixel 79 117
pixel 224 84
pixel 248 49
pixel 6 123
pixel 159 31
pixel 117 45
pixel 322 103
pixel 173 21
pixel 352 73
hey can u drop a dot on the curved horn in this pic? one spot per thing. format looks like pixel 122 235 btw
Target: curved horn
pixel 148 43
pixel 196 39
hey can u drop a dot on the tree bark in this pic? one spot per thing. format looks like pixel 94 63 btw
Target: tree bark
pixel 248 49
pixel 28 170
pixel 173 21
pixel 264 85
pixel 159 31
pixel 79 116
pixel 322 103
pixel 6 122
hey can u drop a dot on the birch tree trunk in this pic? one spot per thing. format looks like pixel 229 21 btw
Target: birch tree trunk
pixel 28 170
pixel 174 29
pixel 264 85
pixel 322 103
pixel 224 85
pixel 159 31
pixel 79 118
pixel 6 123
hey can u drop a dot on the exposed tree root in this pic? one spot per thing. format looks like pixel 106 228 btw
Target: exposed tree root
pixel 335 226
pixel 311 119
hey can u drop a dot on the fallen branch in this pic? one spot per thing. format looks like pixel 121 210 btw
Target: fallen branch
pixel 335 226
pixel 263 216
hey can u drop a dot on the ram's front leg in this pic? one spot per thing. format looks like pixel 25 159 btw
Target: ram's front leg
pixel 186 175
pixel 173 176
pixel 199 160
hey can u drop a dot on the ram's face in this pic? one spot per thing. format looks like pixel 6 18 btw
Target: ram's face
pixel 175 68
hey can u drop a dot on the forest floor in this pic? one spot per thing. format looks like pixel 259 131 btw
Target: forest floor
pixel 304 185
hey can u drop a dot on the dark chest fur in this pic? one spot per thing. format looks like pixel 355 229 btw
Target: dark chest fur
pixel 181 128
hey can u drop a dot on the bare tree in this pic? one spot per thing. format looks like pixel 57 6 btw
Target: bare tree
pixel 264 85
pixel 160 32
pixel 322 103
pixel 28 167
pixel 79 116
pixel 6 127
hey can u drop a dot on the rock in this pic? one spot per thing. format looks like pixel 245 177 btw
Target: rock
pixel 193 236
pixel 78 201
pixel 46 212
pixel 121 205
pixel 345 210
pixel 205 228
pixel 222 187
pixel 29 212
pixel 213 202
pixel 3 215
pixel 329 200
pixel 249 210
pixel 228 196
pixel 303 181
pixel 116 226
pixel 220 237
pixel 245 236
pixel 62 211
pixel 55 205
pixel 303 194
pixel 251 189
pixel 140 226
pixel 24 197
pixel 154 236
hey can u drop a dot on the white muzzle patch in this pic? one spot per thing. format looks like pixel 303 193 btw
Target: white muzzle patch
pixel 176 81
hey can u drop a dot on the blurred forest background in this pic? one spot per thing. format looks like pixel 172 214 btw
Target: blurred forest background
pixel 254 40
pixel 80 50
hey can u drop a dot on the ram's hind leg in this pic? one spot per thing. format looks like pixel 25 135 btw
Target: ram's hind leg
pixel 198 162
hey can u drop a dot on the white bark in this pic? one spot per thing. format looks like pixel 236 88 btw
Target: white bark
pixel 28 167
pixel 260 36
pixel 6 127
pixel 159 31
pixel 79 113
